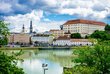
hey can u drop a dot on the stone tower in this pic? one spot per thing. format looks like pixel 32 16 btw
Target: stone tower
pixel 31 28
pixel 23 29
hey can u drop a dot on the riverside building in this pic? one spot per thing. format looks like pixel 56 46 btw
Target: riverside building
pixel 66 41
pixel 41 38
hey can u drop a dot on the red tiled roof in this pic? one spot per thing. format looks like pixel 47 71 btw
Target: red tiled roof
pixel 84 22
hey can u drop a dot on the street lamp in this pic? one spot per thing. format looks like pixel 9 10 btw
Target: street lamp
pixel 44 67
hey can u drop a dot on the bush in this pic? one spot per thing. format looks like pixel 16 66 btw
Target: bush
pixel 76 35
pixel 92 60
pixel 8 65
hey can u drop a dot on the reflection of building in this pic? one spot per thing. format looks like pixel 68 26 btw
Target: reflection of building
pixel 84 27
pixel 64 40
pixel 57 33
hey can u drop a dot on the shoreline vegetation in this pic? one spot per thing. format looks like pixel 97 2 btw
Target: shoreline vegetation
pixel 91 60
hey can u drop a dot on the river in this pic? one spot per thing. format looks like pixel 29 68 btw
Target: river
pixel 55 60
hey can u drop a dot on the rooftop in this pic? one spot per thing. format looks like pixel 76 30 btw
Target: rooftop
pixel 63 38
pixel 82 21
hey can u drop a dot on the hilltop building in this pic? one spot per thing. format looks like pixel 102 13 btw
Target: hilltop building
pixel 84 27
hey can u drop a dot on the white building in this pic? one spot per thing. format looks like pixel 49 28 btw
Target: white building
pixel 63 41
pixel 84 27
pixel 42 38
pixel 82 42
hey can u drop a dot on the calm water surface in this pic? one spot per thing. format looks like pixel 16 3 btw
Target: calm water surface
pixel 56 60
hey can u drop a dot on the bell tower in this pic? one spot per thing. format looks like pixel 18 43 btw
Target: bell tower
pixel 23 29
pixel 31 28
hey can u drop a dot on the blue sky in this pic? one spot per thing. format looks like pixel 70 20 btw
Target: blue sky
pixel 50 14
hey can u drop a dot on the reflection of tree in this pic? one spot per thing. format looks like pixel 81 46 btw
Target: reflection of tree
pixel 64 61
pixel 35 52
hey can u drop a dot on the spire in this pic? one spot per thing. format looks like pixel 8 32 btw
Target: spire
pixel 31 28
pixel 23 29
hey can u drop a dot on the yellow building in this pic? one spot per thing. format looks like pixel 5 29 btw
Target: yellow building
pixel 57 33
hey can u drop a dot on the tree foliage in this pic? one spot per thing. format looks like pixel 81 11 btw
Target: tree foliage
pixel 4 41
pixel 103 35
pixel 92 60
pixel 107 28
pixel 4 31
pixel 76 35
pixel 8 65
pixel 3 28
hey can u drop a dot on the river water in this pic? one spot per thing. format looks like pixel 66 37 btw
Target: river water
pixel 55 60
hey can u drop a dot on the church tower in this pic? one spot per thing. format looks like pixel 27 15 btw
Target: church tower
pixel 23 29
pixel 31 28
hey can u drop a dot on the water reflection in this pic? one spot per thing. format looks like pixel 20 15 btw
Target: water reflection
pixel 56 60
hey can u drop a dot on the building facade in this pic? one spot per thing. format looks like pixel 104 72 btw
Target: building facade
pixel 19 38
pixel 65 41
pixel 57 33
pixel 84 27
pixel 62 41
pixel 80 42
pixel 42 38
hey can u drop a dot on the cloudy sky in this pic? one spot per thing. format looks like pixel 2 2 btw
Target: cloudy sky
pixel 49 14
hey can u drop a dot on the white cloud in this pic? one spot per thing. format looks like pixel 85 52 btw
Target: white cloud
pixel 33 1
pixel 96 9
pixel 51 3
pixel 46 26
pixel 36 16
pixel 91 9
pixel 5 7
pixel 18 20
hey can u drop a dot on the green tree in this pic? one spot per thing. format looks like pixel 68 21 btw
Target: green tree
pixel 107 28
pixel 4 31
pixel 103 35
pixel 8 65
pixel 92 60
pixel 76 35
